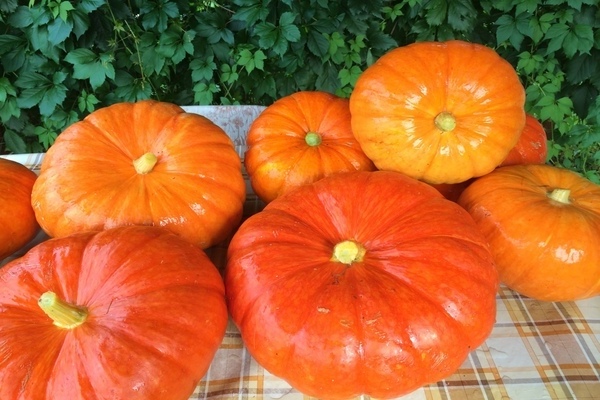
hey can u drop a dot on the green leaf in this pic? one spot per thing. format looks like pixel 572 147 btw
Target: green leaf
pixel 80 56
pixel 21 18
pixel 287 28
pixel 556 35
pixel 267 33
pixel 317 43
pixel 436 12
pixel 203 69
pixel 348 77
pixel 86 102
pixel 59 30
pixel 14 142
pixel 251 14
pixel 87 6
pixel 461 14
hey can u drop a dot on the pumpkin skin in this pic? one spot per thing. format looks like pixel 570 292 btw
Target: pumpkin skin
pixel 544 248
pixel 407 312
pixel 88 180
pixel 17 218
pixel 440 112
pixel 300 139
pixel 532 147
pixel 156 316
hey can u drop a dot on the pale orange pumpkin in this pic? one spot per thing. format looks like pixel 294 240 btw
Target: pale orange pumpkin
pixel 144 163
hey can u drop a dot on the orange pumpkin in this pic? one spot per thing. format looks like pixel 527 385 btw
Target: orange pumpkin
pixel 144 163
pixel 543 226
pixel 532 147
pixel 300 139
pixel 361 283
pixel 441 112
pixel 17 219
pixel 132 313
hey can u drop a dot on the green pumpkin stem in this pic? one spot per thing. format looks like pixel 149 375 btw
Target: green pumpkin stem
pixel 145 163
pixel 348 252
pixel 445 121
pixel 313 139
pixel 63 314
pixel 560 195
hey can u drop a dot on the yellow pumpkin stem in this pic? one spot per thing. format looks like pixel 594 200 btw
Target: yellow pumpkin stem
pixel 145 163
pixel 445 121
pixel 348 252
pixel 313 139
pixel 63 314
pixel 560 195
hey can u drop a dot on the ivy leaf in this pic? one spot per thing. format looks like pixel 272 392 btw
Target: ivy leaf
pixel 556 35
pixel 87 65
pixel 87 6
pixel 317 43
pixel 461 14
pixel 59 30
pixel 349 76
pixel 267 33
pixel 251 14
pixel 130 89
pixel 21 18
pixel 203 68
pixel 436 12
pixel 580 38
pixel 14 142
pixel 204 93
pixel 288 30
pixel 508 31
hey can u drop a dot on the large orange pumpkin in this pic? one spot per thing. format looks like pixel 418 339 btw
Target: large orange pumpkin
pixel 17 219
pixel 543 226
pixel 300 139
pixel 441 112
pixel 361 283
pixel 132 313
pixel 144 163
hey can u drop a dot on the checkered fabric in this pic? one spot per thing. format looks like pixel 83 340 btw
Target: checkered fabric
pixel 536 351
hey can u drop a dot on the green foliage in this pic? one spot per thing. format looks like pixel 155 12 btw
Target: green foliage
pixel 62 59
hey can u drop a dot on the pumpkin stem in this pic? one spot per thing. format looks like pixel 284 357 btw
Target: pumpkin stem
pixel 445 121
pixel 560 195
pixel 145 163
pixel 348 252
pixel 313 139
pixel 63 314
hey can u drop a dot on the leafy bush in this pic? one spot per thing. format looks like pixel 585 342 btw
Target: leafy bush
pixel 62 59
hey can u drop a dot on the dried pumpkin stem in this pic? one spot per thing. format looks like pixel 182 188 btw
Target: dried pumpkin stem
pixel 145 163
pixel 63 314
pixel 560 195
pixel 313 139
pixel 348 252
pixel 445 121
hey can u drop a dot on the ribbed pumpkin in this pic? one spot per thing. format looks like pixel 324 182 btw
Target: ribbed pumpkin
pixel 17 219
pixel 300 139
pixel 144 163
pixel 543 226
pixel 132 313
pixel 361 283
pixel 441 112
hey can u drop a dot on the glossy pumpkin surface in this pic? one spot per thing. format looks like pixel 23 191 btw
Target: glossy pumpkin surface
pixel 300 139
pixel 144 163
pixel 361 283
pixel 543 226
pixel 139 315
pixel 532 147
pixel 17 219
pixel 441 112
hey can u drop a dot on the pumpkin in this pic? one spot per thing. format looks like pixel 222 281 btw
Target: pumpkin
pixel 17 218
pixel 532 147
pixel 361 283
pixel 543 226
pixel 300 139
pixel 126 313
pixel 441 112
pixel 144 163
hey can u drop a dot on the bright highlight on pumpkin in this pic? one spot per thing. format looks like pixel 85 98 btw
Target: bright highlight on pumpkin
pixel 145 163
pixel 348 252
pixel 560 195
pixel 313 139
pixel 63 314
pixel 445 121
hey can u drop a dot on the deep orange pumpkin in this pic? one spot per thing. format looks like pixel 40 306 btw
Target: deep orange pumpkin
pixel 139 314
pixel 144 163
pixel 17 219
pixel 300 139
pixel 441 112
pixel 543 226
pixel 532 147
pixel 361 283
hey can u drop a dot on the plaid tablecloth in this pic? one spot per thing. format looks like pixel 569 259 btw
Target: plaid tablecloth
pixel 537 350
